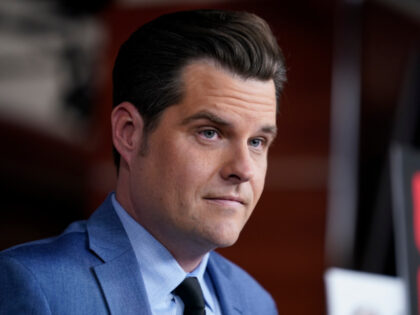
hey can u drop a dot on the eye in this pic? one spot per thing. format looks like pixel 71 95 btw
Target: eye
pixel 209 133
pixel 256 142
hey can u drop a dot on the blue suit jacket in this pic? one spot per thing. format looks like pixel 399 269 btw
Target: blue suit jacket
pixel 91 269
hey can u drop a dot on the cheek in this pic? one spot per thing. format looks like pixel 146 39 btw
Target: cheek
pixel 184 169
pixel 191 162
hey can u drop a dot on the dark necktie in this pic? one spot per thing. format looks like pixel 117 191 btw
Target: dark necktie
pixel 190 293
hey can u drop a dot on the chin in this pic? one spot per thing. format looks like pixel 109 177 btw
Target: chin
pixel 222 238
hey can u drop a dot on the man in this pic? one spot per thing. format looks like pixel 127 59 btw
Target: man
pixel 195 102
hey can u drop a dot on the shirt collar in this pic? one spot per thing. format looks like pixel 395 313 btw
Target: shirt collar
pixel 160 271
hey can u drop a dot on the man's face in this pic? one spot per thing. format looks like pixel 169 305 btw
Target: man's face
pixel 205 165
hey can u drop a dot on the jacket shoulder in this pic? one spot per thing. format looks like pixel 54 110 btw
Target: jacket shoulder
pixel 36 277
pixel 20 292
pixel 71 241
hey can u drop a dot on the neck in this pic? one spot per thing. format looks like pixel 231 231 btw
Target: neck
pixel 188 255
pixel 188 262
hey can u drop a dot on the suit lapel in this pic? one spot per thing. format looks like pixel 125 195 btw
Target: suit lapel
pixel 122 285
pixel 229 298
pixel 119 275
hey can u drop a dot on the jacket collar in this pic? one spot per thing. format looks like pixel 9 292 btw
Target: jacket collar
pixel 119 275
pixel 227 292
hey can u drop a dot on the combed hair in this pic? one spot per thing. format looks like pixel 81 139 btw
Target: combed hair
pixel 147 71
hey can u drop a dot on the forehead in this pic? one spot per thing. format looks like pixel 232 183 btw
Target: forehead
pixel 211 87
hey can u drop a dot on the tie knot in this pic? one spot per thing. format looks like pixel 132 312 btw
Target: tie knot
pixel 190 293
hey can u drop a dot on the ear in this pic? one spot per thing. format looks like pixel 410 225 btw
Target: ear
pixel 127 131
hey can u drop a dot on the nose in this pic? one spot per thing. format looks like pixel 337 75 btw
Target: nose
pixel 239 165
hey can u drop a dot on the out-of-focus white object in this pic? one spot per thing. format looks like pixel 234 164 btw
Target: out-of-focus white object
pixel 359 293
pixel 44 57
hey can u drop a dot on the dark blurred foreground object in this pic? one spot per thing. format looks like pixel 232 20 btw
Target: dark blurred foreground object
pixel 405 184
pixel 360 235
pixel 405 175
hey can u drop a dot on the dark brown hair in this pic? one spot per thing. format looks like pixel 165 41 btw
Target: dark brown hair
pixel 147 71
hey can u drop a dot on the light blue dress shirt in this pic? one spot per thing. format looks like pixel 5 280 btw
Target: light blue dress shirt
pixel 161 272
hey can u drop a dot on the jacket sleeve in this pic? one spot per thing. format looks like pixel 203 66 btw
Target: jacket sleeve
pixel 20 292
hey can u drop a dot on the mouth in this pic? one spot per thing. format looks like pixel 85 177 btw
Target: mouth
pixel 226 200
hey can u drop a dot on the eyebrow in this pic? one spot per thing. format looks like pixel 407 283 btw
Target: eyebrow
pixel 270 130
pixel 204 114
pixel 208 116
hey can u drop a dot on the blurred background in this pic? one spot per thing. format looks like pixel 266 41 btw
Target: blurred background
pixel 327 197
